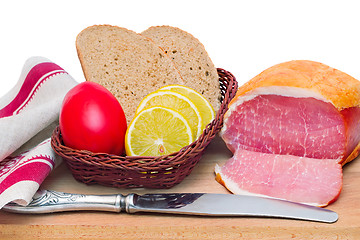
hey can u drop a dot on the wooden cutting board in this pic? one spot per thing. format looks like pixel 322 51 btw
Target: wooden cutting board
pixel 93 225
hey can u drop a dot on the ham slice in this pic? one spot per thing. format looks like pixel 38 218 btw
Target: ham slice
pixel 282 176
pixel 299 114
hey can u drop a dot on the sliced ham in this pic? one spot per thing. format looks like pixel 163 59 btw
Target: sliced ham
pixel 299 114
pixel 311 181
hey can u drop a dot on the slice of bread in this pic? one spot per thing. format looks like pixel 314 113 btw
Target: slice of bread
pixel 190 58
pixel 126 63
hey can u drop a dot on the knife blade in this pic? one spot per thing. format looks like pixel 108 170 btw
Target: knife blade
pixel 205 204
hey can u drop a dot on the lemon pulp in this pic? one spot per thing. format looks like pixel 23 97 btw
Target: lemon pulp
pixel 177 102
pixel 206 110
pixel 157 131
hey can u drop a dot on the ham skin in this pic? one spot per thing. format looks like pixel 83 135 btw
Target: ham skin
pixel 300 114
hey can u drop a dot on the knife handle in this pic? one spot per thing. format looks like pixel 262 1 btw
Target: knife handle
pixel 47 201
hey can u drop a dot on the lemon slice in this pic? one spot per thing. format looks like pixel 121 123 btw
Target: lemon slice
pixel 177 102
pixel 157 131
pixel 206 110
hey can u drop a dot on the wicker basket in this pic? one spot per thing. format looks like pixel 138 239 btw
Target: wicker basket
pixel 138 171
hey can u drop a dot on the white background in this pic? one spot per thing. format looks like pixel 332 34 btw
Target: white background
pixel 244 37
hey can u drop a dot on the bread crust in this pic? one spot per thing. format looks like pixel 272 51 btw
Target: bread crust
pixel 342 90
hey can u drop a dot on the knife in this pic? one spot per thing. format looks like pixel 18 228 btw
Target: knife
pixel 205 204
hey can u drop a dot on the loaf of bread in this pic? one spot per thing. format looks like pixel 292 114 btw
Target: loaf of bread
pixel 190 58
pixel 128 64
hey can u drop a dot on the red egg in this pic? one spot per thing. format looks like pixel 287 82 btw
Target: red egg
pixel 92 119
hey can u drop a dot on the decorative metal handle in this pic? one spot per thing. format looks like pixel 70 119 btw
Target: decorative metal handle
pixel 47 201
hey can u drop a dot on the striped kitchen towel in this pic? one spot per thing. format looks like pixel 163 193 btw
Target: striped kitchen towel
pixel 31 106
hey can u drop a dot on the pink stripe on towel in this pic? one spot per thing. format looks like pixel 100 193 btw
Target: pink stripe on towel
pixel 36 76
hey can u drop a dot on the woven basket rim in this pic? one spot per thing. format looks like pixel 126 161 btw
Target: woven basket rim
pixel 152 163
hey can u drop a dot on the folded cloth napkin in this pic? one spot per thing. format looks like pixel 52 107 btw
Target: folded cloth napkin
pixel 31 106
